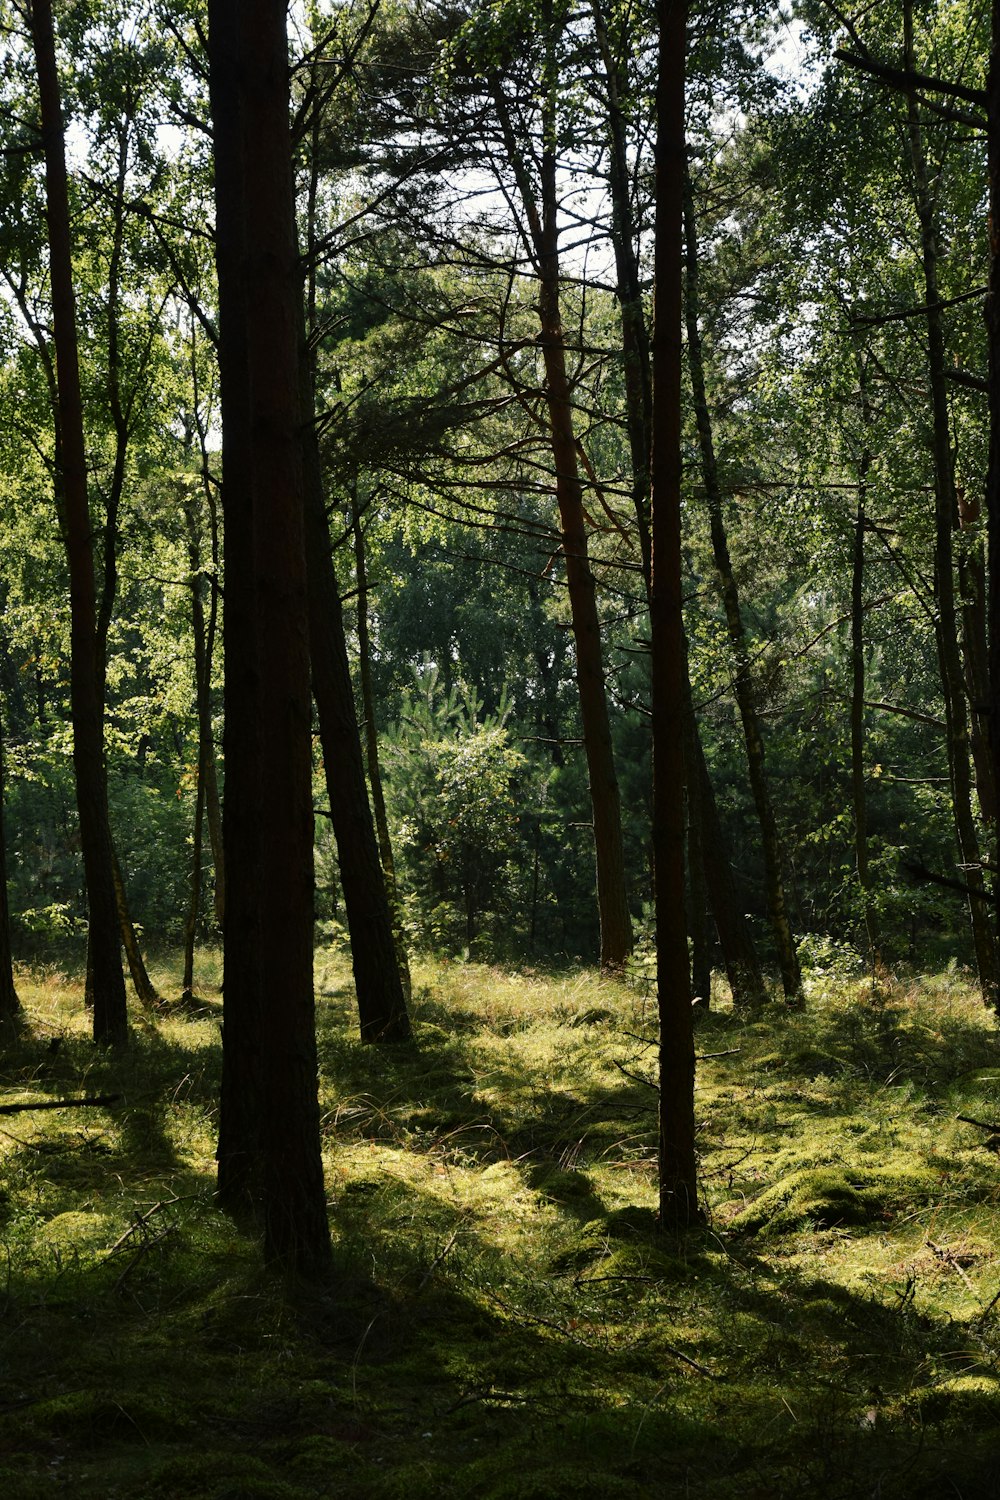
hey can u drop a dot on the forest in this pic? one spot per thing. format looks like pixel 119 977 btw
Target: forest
pixel 499 749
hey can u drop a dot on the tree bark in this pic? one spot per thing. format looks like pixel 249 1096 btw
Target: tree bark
pixel 271 940
pixel 770 843
pixel 678 1184
pixel 110 1013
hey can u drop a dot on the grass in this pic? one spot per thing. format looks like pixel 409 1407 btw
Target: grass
pixel 505 1319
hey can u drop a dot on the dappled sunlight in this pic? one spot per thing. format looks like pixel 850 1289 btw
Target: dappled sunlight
pixel 492 1198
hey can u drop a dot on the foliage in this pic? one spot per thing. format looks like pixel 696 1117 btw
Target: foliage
pixel 454 778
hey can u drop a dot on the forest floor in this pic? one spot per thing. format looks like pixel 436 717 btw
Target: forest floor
pixel 505 1320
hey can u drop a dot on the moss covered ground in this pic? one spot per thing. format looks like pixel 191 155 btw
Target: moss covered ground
pixel 504 1319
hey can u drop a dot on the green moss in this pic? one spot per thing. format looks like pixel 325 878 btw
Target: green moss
pixel 564 1480
pixel 93 1417
pixel 558 1186
pixel 223 1476
pixel 970 1403
pixel 828 1197
pixel 506 1317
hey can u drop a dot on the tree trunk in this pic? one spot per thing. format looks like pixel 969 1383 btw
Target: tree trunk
pixel 372 755
pixel 381 1003
pixel 543 232
pixel 975 654
pixel 270 1029
pixel 739 956
pixel 194 904
pixel 945 520
pixel 858 792
pixel 788 962
pixel 635 337
pixel 142 984
pixel 10 1005
pixel 746 982
pixel 678 1183
pixel 203 642
pixel 701 955
pixel 993 471
pixel 110 1013
pixel 213 807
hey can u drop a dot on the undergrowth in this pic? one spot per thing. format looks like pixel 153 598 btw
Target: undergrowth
pixel 504 1319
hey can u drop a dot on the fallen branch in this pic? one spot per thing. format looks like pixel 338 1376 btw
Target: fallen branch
pixel 139 1222
pixel 686 1359
pixel 647 1083
pixel 88 1099
pixel 989 1125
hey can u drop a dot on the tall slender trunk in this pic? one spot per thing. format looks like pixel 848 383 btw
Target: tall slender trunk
pixel 381 1002
pixel 858 793
pixel 993 471
pixel 746 982
pixel 10 1005
pixel 635 337
pixel 542 222
pixel 194 900
pixel 213 805
pixel 372 753
pixel 945 520
pixel 260 323
pixel 206 752
pixel 142 984
pixel 678 1183
pixel 378 952
pixel 739 956
pixel 777 906
pixel 975 656
pixel 120 421
pixel 110 1013
pixel 701 955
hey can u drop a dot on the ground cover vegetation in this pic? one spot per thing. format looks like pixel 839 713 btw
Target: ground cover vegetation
pixel 504 1318
pixel 502 508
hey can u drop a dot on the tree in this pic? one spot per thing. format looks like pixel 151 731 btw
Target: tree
pixel 791 977
pixel 110 1016
pixel 10 1005
pixel 269 1148
pixel 525 100
pixel 678 1182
